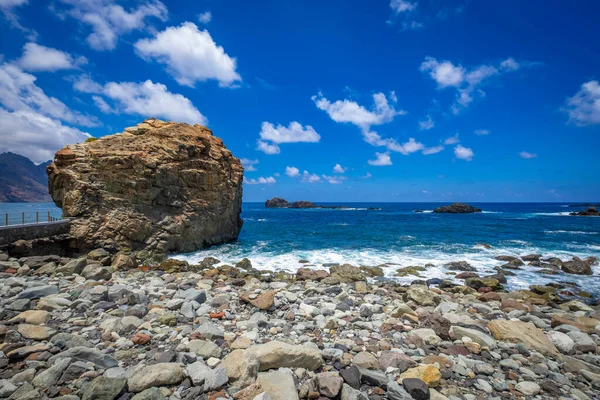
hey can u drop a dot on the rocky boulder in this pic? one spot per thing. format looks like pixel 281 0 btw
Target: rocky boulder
pixel 590 212
pixel 158 186
pixel 277 202
pixel 457 208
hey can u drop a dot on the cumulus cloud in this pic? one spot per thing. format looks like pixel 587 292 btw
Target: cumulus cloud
pixel 481 132
pixel 260 181
pixel 366 176
pixel 526 154
pixel 190 55
pixel 33 124
pixel 292 171
pixel 271 136
pixel 452 140
pixel 307 177
pixel 205 17
pixel 412 146
pixel 338 169
pixel 41 58
pixel 584 107
pixel 381 159
pixel 464 153
pixel 467 82
pixel 426 124
pixel 249 164
pixel 18 92
pixel 350 111
pixel 109 21
pixel 400 6
pixel 147 99
pixel 334 180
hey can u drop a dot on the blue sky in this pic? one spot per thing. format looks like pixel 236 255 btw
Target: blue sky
pixel 421 100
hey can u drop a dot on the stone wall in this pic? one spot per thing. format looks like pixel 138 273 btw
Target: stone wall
pixel 12 233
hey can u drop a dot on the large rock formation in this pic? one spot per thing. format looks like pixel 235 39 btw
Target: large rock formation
pixel 590 212
pixel 158 186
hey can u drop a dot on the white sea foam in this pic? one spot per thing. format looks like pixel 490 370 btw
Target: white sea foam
pixel 480 258
pixel 558 232
pixel 554 214
pixel 262 220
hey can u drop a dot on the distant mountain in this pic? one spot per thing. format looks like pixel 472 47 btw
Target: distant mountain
pixel 21 180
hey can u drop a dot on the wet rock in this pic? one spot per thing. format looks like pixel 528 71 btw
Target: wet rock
pixel 416 388
pixel 37 292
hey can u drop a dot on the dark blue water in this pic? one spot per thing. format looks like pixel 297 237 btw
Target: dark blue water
pixel 277 239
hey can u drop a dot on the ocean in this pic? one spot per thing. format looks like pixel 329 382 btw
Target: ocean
pixel 277 239
pixel 395 237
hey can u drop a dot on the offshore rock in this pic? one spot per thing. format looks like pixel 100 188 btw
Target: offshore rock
pixel 457 208
pixel 277 202
pixel 158 186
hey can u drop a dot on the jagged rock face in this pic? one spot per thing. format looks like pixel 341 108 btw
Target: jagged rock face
pixel 158 186
pixel 277 202
pixel 457 208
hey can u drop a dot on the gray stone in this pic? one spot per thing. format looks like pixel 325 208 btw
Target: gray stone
pixel 75 370
pixel 528 388
pixel 161 374
pixel 216 379
pixel 69 340
pixel 278 384
pixel 329 383
pixel 562 341
pixel 583 342
pixel 278 354
pixel 205 349
pixel 373 378
pixel 397 392
pixel 150 394
pixel 478 337
pixel 49 377
pixel 103 388
pixel 38 292
pixel 210 331
pixel 80 353
pixel 97 272
pixel 7 388
pixel 348 393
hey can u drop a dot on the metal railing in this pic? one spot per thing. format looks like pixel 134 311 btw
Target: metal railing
pixel 29 217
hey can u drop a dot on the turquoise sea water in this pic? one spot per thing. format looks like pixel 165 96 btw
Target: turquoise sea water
pixel 277 239
pixel 396 236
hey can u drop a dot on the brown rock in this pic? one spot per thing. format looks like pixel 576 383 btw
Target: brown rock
pixel 141 339
pixel 444 362
pixel 584 324
pixel 492 296
pixel 263 302
pixel 158 186
pixel 509 305
pixel 305 274
pixel 523 332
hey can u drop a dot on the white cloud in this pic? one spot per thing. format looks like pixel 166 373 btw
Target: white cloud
pixel 292 171
pixel 433 150
pixel 482 132
pixel 267 148
pixel 249 164
pixel 400 6
pixel 18 92
pixel 366 176
pixel 41 58
pixel 444 73
pixel 350 111
pixel 109 21
pixel 32 123
pixel 103 105
pixel 338 169
pixel 584 108
pixel 452 140
pixel 7 8
pixel 407 148
pixel 35 135
pixel 190 55
pixel 294 133
pixel 270 136
pixel 260 181
pixel 382 159
pixel 307 177
pixel 464 153
pixel 205 17
pixel 147 99
pixel 426 124
pixel 334 180
pixel 467 82
pixel 526 154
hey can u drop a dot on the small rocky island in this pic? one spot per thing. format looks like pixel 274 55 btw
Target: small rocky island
pixel 590 212
pixel 457 208
pixel 277 202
